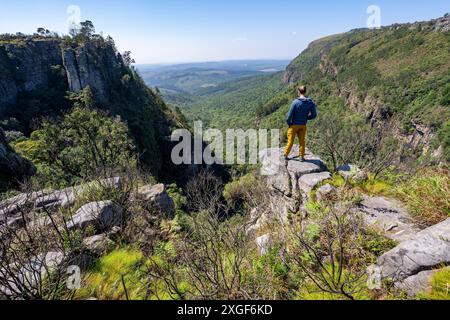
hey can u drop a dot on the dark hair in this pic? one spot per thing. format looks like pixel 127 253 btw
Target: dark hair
pixel 302 89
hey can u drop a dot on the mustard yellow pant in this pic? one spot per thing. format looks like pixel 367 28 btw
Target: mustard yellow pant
pixel 300 132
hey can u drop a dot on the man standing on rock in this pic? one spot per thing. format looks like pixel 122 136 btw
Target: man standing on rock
pixel 302 110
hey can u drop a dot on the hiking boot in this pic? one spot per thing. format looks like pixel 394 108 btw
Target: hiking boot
pixel 302 159
pixel 286 158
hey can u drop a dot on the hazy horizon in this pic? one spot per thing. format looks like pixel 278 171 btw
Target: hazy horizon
pixel 178 32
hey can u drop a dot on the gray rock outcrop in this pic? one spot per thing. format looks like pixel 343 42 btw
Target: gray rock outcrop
pixel 325 192
pixel 290 182
pixel 427 250
pixel 29 274
pixel 157 196
pixel 388 217
pixel 29 65
pixel 101 215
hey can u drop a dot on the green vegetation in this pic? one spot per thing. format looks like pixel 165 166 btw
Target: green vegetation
pixel 234 104
pixel 440 286
pixel 427 195
pixel 116 276
pixel 84 144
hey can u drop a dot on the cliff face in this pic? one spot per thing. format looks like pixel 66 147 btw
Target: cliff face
pixel 29 65
pixel 88 66
pixel 38 73
pixel 26 66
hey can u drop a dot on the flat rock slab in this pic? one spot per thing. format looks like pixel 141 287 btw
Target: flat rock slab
pixel 308 182
pixel 388 217
pixel 283 175
pixel 273 159
pixel 427 250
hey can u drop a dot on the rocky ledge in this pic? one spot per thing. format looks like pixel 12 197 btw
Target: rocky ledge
pixel 409 266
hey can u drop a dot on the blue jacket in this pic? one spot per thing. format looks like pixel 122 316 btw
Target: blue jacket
pixel 302 110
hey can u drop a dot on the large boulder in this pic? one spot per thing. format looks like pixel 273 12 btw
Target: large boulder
pixel 157 196
pixel 388 217
pixel 101 215
pixel 427 250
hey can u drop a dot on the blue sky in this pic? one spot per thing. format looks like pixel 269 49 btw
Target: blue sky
pixel 210 30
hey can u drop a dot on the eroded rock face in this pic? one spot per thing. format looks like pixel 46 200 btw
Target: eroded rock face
pixel 97 244
pixel 426 250
pixel 101 215
pixel 35 61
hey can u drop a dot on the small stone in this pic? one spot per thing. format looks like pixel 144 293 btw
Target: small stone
pixel 264 244
pixel 351 172
pixel 428 249
pixel 325 192
pixel 97 244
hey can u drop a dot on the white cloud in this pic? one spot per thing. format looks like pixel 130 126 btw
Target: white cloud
pixel 294 33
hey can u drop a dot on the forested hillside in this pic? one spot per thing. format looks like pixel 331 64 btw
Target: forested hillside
pixel 395 79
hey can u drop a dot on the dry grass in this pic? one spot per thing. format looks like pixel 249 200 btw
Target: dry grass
pixel 427 195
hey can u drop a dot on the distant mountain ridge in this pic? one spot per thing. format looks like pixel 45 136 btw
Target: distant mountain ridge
pixel 193 78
